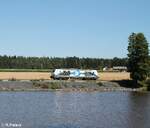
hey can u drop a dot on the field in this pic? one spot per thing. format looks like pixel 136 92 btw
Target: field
pixel 108 76
pixel 104 76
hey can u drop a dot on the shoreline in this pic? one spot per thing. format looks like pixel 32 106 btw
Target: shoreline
pixel 65 86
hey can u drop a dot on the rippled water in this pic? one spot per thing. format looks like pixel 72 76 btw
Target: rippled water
pixel 75 109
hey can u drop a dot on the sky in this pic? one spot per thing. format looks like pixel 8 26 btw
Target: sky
pixel 62 28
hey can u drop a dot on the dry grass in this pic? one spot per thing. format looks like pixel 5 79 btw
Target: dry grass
pixel 24 75
pixel 109 76
pixel 106 76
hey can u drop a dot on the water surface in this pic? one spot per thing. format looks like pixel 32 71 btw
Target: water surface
pixel 75 109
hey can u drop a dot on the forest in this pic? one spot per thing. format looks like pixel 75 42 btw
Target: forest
pixel 20 62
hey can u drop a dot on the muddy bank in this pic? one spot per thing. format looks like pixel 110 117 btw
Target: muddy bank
pixel 62 86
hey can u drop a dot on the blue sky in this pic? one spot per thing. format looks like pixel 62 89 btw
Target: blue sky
pixel 83 28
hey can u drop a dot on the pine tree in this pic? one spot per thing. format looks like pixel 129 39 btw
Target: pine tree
pixel 138 57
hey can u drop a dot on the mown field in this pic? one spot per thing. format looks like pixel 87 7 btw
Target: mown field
pixel 104 76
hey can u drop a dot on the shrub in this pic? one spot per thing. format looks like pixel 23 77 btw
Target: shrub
pixel 100 84
pixel 44 86
pixel 36 84
pixel 148 84
pixel 55 85
pixel 148 88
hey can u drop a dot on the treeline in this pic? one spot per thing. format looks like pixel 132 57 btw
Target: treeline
pixel 20 62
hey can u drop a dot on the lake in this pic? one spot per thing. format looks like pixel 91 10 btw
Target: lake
pixel 75 109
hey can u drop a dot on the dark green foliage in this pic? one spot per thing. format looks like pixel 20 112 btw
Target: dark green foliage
pixel 100 84
pixel 149 68
pixel 148 81
pixel 127 83
pixel 34 63
pixel 148 84
pixel 138 62
pixel 148 88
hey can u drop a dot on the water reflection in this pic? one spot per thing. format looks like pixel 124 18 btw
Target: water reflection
pixel 76 109
pixel 139 110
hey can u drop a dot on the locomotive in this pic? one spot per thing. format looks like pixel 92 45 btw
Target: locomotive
pixel 65 74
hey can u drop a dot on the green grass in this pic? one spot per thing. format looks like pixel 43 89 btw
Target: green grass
pixel 25 70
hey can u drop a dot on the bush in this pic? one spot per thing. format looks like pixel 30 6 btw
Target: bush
pixel 148 84
pixel 36 84
pixel 100 84
pixel 55 85
pixel 44 86
pixel 47 85
pixel 148 88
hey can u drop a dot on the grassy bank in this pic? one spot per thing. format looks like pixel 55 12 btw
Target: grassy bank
pixel 74 85
pixel 42 85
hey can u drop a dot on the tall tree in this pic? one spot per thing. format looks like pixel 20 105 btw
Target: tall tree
pixel 138 57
